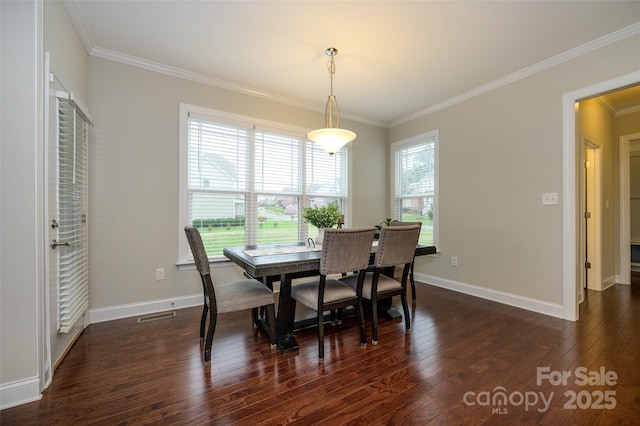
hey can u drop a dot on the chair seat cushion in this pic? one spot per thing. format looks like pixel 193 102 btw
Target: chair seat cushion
pixel 334 291
pixel 385 283
pixel 241 295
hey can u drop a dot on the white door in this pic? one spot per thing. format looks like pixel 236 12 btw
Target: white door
pixel 68 228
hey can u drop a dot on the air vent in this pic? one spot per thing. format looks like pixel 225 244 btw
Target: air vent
pixel 158 316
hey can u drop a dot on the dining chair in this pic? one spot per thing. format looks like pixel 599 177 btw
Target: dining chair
pixel 411 278
pixel 343 250
pixel 228 297
pixel 396 247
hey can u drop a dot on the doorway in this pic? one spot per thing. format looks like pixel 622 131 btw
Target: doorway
pixel 591 206
pixel 626 239
pixel 572 287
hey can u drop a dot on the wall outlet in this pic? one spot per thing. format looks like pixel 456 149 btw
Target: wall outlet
pixel 159 274
pixel 454 261
pixel 549 198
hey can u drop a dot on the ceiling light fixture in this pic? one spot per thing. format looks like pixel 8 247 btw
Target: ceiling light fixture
pixel 331 138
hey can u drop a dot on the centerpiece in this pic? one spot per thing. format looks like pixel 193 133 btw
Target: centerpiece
pixel 326 216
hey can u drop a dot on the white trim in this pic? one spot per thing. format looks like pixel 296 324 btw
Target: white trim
pixel 510 299
pixel 588 142
pixel 73 9
pixel 570 285
pixel 625 217
pixel 19 392
pixel 111 313
pixel 412 141
pixel 609 282
pixel 596 44
pixel 137 62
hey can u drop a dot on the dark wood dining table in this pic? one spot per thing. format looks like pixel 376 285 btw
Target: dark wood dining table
pixel 284 263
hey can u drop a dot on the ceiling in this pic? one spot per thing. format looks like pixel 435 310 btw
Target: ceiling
pixel 397 59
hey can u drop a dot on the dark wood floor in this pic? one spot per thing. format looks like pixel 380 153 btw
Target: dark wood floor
pixel 461 356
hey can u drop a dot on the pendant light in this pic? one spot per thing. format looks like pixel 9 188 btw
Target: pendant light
pixel 331 138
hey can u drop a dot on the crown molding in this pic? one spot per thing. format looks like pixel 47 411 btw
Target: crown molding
pixel 135 61
pixel 79 23
pixel 591 46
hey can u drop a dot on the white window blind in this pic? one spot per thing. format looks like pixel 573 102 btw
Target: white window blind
pixel 247 183
pixel 72 200
pixel 415 183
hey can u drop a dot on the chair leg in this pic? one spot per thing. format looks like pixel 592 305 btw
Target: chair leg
pixel 213 319
pixel 374 320
pixel 320 336
pixel 363 331
pixel 405 308
pixel 203 320
pixel 254 313
pixel 413 284
pixel 271 318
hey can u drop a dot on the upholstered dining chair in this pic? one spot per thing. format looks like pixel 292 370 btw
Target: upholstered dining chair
pixel 396 247
pixel 227 297
pixel 411 278
pixel 343 250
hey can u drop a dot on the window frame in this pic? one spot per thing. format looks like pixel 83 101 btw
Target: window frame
pixel 423 138
pixel 256 124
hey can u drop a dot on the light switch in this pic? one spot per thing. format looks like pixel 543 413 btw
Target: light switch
pixel 549 198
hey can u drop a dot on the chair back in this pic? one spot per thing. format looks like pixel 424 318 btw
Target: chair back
pixel 346 249
pixel 396 245
pixel 197 249
pixel 398 223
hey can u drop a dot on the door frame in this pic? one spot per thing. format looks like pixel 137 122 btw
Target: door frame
pixel 625 208
pixel 591 244
pixel 571 286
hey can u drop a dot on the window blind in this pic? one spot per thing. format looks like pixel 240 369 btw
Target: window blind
pixel 72 201
pixel 415 184
pixel 248 183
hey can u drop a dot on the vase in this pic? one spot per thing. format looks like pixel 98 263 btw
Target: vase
pixel 320 236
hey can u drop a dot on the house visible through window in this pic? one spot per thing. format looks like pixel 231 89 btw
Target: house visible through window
pixel 415 177
pixel 245 181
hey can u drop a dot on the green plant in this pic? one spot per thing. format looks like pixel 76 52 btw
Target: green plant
pixel 326 216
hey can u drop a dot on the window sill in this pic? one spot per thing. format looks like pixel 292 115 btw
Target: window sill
pixel 187 265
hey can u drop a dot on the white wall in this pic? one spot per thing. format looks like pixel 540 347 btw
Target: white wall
pixel 20 266
pixel 134 180
pixel 498 153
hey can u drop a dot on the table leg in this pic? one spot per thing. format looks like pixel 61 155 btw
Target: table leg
pixel 285 340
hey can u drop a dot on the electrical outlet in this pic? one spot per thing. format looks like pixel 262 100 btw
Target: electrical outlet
pixel 454 261
pixel 549 198
pixel 159 274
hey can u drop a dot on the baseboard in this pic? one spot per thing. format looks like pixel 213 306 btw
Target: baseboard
pixel 143 308
pixel 611 281
pixel 510 299
pixel 19 392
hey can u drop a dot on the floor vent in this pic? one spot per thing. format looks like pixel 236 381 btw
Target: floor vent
pixel 158 316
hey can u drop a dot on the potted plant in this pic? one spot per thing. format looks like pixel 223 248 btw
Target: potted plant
pixel 322 217
pixel 379 226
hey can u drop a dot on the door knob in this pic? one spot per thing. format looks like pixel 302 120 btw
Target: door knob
pixel 55 244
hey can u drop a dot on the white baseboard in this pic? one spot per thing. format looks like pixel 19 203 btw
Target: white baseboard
pixel 19 392
pixel 606 283
pixel 143 308
pixel 510 299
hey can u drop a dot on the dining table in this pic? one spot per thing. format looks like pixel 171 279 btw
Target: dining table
pixel 287 262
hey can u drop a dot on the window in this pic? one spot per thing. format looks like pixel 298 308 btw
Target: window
pixel 246 181
pixel 415 183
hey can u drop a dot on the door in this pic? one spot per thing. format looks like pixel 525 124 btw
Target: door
pixel 68 272
pixel 591 205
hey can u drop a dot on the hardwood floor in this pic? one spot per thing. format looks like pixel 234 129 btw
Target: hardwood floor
pixel 449 370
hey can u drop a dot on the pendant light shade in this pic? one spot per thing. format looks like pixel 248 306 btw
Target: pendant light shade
pixel 331 138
